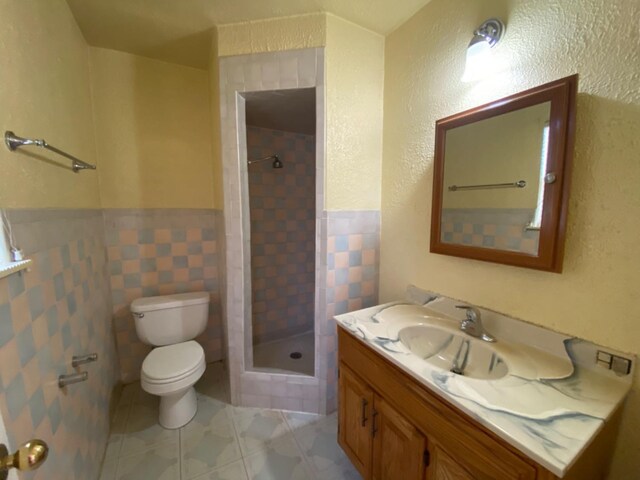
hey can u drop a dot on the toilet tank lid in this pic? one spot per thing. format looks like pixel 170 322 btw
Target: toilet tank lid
pixel 148 304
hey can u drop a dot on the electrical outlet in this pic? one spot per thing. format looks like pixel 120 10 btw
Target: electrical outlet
pixel 620 365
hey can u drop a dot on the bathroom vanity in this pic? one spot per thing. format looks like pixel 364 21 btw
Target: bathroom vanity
pixel 532 405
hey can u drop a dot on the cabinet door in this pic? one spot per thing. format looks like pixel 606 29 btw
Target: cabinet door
pixel 356 407
pixel 443 467
pixel 398 447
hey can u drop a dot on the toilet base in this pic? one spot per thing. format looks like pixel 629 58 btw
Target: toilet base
pixel 178 409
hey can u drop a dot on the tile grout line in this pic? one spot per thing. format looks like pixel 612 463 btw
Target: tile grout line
pixel 237 437
pixel 299 446
pixel 123 435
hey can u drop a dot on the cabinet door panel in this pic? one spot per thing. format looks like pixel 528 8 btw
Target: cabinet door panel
pixel 398 447
pixel 443 467
pixel 356 407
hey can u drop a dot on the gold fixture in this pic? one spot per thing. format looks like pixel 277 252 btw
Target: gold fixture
pixel 29 456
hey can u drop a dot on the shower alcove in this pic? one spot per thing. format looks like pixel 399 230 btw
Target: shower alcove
pixel 273 137
pixel 280 136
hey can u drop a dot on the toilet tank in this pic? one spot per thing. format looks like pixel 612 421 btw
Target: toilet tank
pixel 169 319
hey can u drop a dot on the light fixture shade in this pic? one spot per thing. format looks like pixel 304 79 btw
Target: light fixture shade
pixel 484 38
pixel 476 56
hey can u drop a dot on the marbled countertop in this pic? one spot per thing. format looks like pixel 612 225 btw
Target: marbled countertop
pixel 550 404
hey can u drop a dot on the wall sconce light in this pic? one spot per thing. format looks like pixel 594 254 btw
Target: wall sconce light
pixel 484 38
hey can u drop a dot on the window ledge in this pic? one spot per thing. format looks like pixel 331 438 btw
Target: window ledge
pixel 13 267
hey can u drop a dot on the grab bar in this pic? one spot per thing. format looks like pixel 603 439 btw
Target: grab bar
pixel 13 142
pixel 518 184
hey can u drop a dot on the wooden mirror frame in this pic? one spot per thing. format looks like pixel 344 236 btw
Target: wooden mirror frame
pixel 562 95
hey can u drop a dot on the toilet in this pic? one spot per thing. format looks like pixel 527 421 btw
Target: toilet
pixel 170 323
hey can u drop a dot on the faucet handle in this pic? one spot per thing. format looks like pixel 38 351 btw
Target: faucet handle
pixel 473 313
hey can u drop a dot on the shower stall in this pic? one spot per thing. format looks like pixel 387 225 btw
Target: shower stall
pixel 273 148
pixel 280 135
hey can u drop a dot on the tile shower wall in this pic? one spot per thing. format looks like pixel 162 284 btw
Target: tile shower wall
pixel 59 308
pixel 490 228
pixel 283 233
pixel 353 253
pixel 159 252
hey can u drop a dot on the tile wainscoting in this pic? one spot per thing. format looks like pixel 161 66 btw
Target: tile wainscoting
pixel 60 307
pixel 353 256
pixel 501 228
pixel 63 306
pixel 160 252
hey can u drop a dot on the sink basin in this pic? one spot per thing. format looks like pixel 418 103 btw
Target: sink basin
pixel 456 352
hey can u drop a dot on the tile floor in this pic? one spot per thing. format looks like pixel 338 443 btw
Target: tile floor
pixel 222 442
pixel 274 357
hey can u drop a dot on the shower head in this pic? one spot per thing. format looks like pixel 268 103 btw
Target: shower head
pixel 277 163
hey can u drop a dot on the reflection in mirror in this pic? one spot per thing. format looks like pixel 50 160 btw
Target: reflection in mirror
pixel 493 191
pixel 501 178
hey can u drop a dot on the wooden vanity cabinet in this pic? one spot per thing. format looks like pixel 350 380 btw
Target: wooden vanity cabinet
pixel 392 428
pixel 380 442
pixel 355 431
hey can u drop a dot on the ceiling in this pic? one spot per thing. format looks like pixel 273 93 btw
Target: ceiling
pixel 290 110
pixel 178 30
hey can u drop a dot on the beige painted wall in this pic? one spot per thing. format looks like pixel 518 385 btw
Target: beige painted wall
pixel 355 83
pixel 272 35
pixel 216 141
pixel 354 69
pixel 45 93
pixel 153 131
pixel 597 295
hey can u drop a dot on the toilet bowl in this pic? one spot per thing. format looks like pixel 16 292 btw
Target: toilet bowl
pixel 171 369
pixel 170 372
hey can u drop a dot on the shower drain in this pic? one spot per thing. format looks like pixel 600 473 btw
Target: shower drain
pixel 295 355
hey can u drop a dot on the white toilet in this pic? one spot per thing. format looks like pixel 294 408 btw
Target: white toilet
pixel 170 323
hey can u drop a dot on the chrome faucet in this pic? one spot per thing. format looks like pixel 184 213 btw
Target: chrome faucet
pixel 472 325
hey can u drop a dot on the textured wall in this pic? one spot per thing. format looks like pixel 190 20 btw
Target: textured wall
pixel 597 293
pixel 153 132
pixel 355 66
pixel 283 233
pixel 272 35
pixel 45 93
pixel 59 308
pixel 160 252
pixel 216 146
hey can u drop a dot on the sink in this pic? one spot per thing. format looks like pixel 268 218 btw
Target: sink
pixel 454 351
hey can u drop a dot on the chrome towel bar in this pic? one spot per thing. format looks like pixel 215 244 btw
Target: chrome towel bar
pixel 64 380
pixel 13 142
pixel 518 184
pixel 77 360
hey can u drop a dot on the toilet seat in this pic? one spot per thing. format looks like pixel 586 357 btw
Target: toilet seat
pixel 173 362
pixel 172 368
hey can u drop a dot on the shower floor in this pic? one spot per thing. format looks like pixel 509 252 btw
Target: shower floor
pixel 275 356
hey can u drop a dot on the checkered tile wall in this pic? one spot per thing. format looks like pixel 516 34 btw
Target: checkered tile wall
pixel 283 226
pixel 159 252
pixel 353 252
pixel 59 308
pixel 490 228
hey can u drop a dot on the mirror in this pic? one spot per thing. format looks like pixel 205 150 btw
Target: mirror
pixel 501 178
